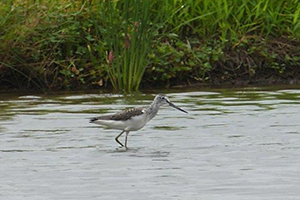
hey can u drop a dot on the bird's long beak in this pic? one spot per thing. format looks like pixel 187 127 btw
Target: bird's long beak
pixel 171 104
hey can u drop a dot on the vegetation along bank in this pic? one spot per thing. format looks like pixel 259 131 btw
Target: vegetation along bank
pixel 129 44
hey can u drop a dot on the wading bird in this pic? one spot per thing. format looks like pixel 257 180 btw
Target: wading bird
pixel 133 119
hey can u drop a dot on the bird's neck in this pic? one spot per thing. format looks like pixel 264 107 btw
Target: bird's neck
pixel 152 110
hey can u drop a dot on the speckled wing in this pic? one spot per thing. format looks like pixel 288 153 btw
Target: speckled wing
pixel 121 116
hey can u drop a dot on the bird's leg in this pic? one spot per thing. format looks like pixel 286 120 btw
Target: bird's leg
pixel 127 132
pixel 117 139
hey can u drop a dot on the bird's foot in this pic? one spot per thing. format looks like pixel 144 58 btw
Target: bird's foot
pixel 122 148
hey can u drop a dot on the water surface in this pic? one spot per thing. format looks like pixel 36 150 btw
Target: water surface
pixel 234 144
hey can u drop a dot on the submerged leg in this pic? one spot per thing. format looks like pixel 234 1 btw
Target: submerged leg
pixel 117 139
pixel 127 132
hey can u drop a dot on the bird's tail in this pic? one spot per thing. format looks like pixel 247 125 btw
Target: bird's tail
pixel 94 119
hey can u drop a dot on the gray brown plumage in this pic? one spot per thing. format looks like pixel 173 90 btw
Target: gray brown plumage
pixel 121 116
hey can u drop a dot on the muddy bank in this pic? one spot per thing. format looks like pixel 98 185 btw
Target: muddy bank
pixel 216 79
pixel 251 61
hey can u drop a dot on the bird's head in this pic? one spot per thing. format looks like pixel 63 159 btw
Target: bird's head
pixel 162 99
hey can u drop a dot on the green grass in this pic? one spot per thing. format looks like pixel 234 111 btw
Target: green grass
pixel 59 44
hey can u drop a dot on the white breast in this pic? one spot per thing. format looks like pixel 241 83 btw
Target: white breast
pixel 136 123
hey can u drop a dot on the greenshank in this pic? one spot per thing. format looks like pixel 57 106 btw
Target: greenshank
pixel 133 119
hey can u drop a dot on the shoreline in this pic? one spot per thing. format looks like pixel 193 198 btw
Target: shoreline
pixel 217 84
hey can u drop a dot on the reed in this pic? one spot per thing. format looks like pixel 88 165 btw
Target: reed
pixel 128 35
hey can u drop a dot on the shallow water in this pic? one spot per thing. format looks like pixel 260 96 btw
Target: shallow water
pixel 233 144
